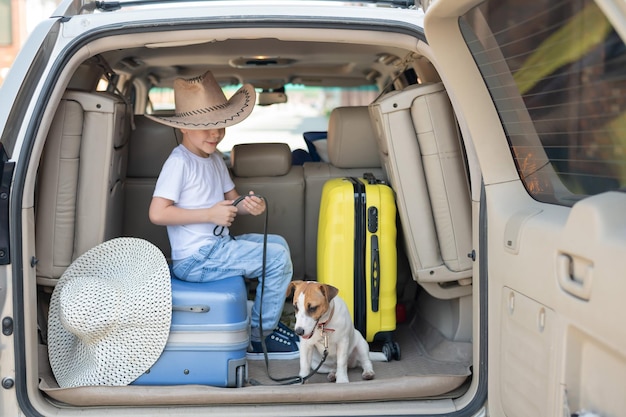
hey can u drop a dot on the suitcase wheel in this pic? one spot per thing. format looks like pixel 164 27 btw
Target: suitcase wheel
pixel 396 351
pixel 391 350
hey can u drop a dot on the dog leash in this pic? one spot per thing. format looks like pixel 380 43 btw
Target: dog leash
pixel 218 230
pixel 291 380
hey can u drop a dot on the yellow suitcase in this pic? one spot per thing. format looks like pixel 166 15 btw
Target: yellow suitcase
pixel 356 252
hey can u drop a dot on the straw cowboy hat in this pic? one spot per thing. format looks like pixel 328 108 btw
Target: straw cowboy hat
pixel 201 104
pixel 110 314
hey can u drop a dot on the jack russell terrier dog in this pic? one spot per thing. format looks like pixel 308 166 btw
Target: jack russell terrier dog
pixel 323 323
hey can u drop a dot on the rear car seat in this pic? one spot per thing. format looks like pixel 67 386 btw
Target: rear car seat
pixel 150 145
pixel 352 151
pixel 263 168
pixel 421 151
pixel 81 180
pixel 266 169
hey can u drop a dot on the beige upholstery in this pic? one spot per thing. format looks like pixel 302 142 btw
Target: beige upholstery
pixel 260 160
pixel 150 145
pixel 81 180
pixel 421 151
pixel 266 169
pixel 353 151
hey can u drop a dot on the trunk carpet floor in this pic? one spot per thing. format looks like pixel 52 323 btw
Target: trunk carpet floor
pixel 430 367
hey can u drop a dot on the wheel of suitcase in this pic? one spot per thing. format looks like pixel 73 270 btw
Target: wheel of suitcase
pixel 396 351
pixel 387 351
pixel 391 350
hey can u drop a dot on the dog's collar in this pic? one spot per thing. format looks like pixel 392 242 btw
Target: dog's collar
pixel 322 326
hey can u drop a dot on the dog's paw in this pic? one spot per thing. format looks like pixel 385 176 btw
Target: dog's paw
pixel 332 377
pixel 340 377
pixel 367 375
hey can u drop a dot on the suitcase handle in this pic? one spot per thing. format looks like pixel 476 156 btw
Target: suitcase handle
pixel 192 309
pixel 375 273
pixel 370 178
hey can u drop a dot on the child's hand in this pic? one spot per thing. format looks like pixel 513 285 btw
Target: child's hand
pixel 223 213
pixel 253 204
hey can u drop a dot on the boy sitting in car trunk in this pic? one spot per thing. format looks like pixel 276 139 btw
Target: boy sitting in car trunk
pixel 196 199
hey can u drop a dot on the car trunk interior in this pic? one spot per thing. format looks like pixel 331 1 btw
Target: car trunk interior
pixel 89 191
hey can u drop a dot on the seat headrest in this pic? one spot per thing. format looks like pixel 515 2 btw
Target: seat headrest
pixel 260 159
pixel 352 139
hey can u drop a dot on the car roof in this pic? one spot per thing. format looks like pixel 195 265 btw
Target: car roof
pixel 75 7
pixel 246 51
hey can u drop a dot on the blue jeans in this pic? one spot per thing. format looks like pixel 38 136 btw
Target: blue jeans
pixel 243 256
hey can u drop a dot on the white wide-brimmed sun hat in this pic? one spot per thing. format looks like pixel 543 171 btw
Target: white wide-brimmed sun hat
pixel 110 314
pixel 201 104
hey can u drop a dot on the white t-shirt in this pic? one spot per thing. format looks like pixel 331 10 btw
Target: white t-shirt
pixel 192 182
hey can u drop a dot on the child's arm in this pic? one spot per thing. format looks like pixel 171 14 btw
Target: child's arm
pixel 250 205
pixel 163 212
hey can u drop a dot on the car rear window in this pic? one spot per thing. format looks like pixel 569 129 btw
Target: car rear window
pixel 557 74
pixel 307 110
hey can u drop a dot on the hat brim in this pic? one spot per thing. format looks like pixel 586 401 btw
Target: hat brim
pixel 234 111
pixel 139 272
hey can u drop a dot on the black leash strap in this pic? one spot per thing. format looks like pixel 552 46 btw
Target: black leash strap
pixel 291 380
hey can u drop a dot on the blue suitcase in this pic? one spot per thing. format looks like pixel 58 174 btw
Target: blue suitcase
pixel 208 338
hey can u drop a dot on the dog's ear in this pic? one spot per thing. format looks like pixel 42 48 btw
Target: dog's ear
pixel 329 291
pixel 292 287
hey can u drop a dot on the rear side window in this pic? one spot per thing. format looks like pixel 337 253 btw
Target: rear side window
pixel 557 74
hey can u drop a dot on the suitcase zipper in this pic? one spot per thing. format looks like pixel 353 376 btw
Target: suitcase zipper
pixel 360 297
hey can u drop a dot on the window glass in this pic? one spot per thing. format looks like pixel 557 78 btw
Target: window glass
pixel 103 84
pixel 306 110
pixel 161 100
pixel 557 74
pixel 6 27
